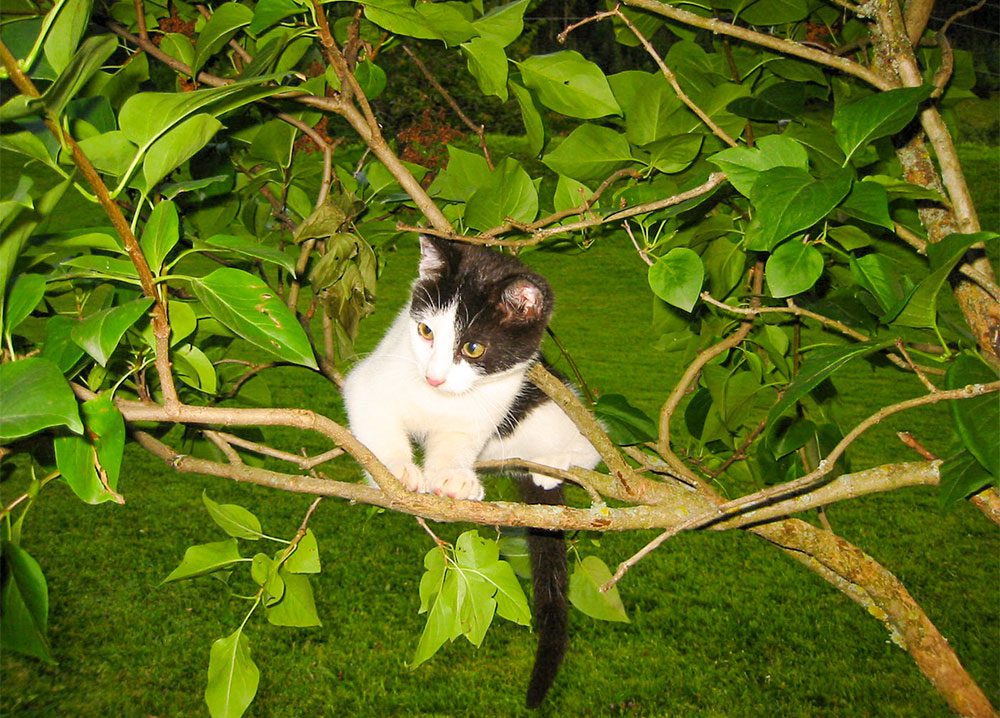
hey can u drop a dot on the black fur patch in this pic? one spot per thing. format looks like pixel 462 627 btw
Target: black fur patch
pixel 502 304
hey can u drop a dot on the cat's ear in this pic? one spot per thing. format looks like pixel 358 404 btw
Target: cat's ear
pixel 523 301
pixel 434 257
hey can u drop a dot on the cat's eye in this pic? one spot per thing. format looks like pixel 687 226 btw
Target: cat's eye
pixel 473 350
pixel 425 331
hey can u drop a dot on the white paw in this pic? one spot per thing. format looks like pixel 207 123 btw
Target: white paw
pixel 410 476
pixel 456 483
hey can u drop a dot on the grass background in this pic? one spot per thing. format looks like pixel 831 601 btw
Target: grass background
pixel 722 624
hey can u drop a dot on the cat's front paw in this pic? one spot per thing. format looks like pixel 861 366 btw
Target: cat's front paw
pixel 456 483
pixel 410 475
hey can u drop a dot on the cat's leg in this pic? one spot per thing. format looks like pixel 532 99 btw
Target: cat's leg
pixel 391 445
pixel 449 457
pixel 545 436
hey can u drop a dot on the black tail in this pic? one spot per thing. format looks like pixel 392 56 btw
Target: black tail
pixel 550 582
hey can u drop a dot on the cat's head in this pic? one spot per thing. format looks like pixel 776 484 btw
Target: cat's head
pixel 476 314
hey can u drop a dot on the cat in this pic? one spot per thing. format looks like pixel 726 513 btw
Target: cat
pixel 451 375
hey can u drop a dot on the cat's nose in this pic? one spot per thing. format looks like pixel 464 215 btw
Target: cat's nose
pixel 434 381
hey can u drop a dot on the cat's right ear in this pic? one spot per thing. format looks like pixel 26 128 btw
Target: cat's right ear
pixel 433 257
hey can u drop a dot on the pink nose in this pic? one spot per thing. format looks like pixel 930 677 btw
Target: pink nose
pixel 434 381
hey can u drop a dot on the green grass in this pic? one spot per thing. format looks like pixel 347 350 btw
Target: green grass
pixel 722 624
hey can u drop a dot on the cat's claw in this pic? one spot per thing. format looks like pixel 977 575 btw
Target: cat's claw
pixel 412 478
pixel 457 483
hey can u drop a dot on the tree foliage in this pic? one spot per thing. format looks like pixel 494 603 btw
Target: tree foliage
pixel 783 167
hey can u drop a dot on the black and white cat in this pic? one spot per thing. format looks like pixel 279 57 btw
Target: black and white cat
pixel 450 375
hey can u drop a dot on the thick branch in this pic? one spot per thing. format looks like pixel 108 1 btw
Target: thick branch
pixel 868 583
pixel 161 325
pixel 786 47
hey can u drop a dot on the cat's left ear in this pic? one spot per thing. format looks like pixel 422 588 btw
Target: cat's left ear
pixel 523 301
pixel 434 257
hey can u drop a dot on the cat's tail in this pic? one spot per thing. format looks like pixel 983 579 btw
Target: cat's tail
pixel 550 582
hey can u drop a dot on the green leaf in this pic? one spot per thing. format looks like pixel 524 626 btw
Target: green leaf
pixel 79 458
pixel 75 462
pixel 590 152
pixel 269 12
pixel 961 476
pixel 676 278
pixel 251 248
pixel 511 602
pixel 59 346
pixel 464 174
pixel 507 193
pixel 626 424
pixel 430 582
pixel 24 604
pixel 247 306
pixel 36 396
pixel 793 268
pixel 570 84
pixel 868 202
pixel 775 12
pixel 442 618
pixel 232 676
pixel 148 115
pixel 194 368
pixel 233 519
pixel 879 115
pixel 584 591
pixel 110 152
pixel 793 437
pixel 106 432
pixel 886 280
pixel 99 265
pixel 206 558
pixel 160 235
pixel 305 558
pixel 818 365
pixel 371 78
pixel 514 549
pixel 477 607
pixel 504 24
pixel 101 333
pixel 399 18
pixel 226 21
pixel 534 129
pixel 789 200
pixel 783 101
pixel 650 106
pixel 86 61
pixel 921 309
pixel 976 419
pixel 71 20
pixel 448 19
pixel 25 294
pixel 674 154
pixel 297 606
pixel 487 62
pixel 179 47
pixel 15 234
pixel 743 165
pixel 178 146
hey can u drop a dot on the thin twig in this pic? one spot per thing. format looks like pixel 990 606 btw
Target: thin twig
pixel 538 234
pixel 672 80
pixel 642 252
pixel 901 348
pixel 911 441
pixel 771 42
pixel 478 129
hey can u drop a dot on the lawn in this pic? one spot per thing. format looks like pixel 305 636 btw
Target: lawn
pixel 721 624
